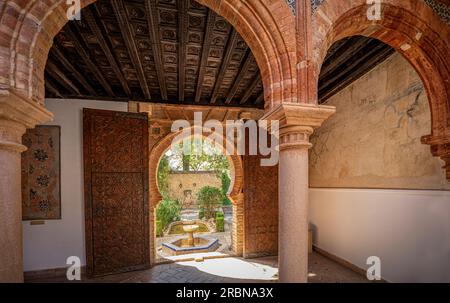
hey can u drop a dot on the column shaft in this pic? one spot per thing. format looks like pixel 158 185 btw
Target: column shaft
pixel 293 216
pixel 11 254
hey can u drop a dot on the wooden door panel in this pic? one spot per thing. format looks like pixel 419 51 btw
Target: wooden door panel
pixel 122 133
pixel 116 191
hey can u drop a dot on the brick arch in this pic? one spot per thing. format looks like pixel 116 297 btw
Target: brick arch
pixel 28 29
pixel 412 29
pixel 160 148
pixel 235 194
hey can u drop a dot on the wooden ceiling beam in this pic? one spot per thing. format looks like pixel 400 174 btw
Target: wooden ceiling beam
pixel 205 53
pixel 61 77
pixel 58 54
pixel 341 55
pixel 155 40
pixel 51 87
pixel 260 98
pixel 81 50
pixel 127 34
pixel 91 20
pixel 182 34
pixel 256 80
pixel 242 71
pixel 231 44
pixel 359 67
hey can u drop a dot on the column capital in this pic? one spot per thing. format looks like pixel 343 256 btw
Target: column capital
pixel 297 122
pixel 16 115
pixel 300 114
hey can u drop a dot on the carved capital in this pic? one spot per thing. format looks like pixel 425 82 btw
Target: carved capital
pixel 300 114
pixel 293 136
pixel 16 115
pixel 297 122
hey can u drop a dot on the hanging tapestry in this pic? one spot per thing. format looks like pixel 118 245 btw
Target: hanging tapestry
pixel 41 174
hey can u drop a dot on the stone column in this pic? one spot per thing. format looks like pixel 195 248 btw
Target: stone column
pixel 297 122
pixel 16 115
pixel 10 201
pixel 293 199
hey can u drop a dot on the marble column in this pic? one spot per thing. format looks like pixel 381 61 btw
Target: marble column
pixel 297 123
pixel 293 200
pixel 16 115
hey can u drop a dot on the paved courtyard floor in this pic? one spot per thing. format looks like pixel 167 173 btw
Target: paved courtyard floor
pixel 228 270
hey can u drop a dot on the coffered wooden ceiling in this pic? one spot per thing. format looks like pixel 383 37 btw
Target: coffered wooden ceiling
pixel 125 50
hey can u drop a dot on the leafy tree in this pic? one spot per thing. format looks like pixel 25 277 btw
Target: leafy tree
pixel 168 211
pixel 209 198
pixel 163 174
pixel 207 158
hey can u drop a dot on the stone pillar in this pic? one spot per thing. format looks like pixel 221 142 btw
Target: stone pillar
pixel 11 267
pixel 16 115
pixel 237 235
pixel 293 199
pixel 297 122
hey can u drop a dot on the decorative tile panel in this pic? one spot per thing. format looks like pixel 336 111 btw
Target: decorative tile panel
pixel 441 9
pixel 292 5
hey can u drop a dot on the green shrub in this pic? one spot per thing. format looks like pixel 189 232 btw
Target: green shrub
pixel 167 212
pixel 226 181
pixel 159 229
pixel 163 174
pixel 201 213
pixel 208 199
pixel 220 224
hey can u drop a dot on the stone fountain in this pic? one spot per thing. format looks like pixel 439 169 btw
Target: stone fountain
pixel 190 244
pixel 190 230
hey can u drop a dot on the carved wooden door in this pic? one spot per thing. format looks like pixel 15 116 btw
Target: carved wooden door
pixel 116 191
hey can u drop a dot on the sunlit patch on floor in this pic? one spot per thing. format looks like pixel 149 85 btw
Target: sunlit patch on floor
pixel 235 268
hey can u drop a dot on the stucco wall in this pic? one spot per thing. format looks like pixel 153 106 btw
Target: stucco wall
pixel 373 141
pixel 409 230
pixel 184 186
pixel 370 145
pixel 48 246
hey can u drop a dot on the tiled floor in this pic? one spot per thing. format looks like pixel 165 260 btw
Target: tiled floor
pixel 228 270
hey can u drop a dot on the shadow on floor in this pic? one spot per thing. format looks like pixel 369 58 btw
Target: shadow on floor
pixel 225 270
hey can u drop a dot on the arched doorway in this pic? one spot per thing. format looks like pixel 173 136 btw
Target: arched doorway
pixel 29 27
pixel 234 193
pixel 422 40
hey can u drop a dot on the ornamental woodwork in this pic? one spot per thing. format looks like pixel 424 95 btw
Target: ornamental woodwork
pixel 125 50
pixel 116 191
pixel 155 51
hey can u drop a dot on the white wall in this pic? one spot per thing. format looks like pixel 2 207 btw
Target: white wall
pixel 48 246
pixel 408 229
